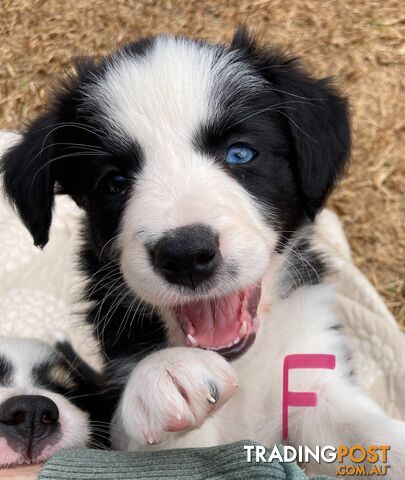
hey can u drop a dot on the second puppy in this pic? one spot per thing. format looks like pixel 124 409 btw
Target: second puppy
pixel 49 399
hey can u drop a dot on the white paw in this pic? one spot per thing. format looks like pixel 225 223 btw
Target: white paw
pixel 171 390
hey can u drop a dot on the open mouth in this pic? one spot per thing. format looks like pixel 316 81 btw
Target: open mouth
pixel 227 325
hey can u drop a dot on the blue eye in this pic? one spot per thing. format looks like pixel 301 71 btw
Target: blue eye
pixel 240 154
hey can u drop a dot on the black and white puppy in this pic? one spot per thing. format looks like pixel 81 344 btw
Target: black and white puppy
pixel 45 397
pixel 201 169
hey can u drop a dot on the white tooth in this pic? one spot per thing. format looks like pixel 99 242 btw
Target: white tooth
pixel 243 329
pixel 190 327
pixel 192 340
pixel 237 340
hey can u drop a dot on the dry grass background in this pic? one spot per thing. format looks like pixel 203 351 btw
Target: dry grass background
pixel 361 42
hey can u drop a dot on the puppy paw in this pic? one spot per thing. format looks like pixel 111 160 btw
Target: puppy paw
pixel 172 390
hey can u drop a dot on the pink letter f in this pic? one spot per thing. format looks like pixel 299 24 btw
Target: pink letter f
pixel 302 399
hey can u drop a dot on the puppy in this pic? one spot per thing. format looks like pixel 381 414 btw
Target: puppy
pixel 201 169
pixel 44 400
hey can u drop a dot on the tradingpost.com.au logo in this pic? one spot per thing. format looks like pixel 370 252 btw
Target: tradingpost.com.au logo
pixel 365 460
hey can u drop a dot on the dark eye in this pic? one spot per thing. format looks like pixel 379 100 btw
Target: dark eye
pixel 240 153
pixel 114 184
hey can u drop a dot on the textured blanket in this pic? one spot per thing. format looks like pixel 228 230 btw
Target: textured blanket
pixel 38 289
pixel 225 462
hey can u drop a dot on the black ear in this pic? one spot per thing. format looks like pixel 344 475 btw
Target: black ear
pixel 28 179
pixel 32 167
pixel 317 118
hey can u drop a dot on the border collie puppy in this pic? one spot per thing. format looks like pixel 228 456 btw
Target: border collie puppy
pixel 44 400
pixel 201 169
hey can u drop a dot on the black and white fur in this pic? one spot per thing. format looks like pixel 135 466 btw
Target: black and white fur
pixel 139 142
pixel 48 401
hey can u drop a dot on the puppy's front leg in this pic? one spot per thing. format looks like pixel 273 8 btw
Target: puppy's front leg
pixel 344 415
pixel 171 390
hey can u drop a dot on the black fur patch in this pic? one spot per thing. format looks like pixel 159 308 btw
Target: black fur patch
pixel 42 376
pixel 123 323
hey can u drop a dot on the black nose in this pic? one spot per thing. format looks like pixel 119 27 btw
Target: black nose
pixel 187 255
pixel 28 417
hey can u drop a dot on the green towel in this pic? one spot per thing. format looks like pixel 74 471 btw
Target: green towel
pixel 225 462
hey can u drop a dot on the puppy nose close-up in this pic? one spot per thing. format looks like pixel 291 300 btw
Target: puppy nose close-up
pixel 28 417
pixel 187 255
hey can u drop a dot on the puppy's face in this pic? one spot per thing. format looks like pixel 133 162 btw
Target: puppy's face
pixel 195 163
pixel 36 417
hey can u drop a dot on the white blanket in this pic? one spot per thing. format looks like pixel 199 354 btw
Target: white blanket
pixel 38 289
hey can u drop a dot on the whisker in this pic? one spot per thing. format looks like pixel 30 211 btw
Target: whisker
pixel 67 155
pixel 58 126
pixel 108 241
pixel 102 268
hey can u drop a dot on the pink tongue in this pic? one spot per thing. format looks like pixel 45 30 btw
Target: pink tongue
pixel 214 323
